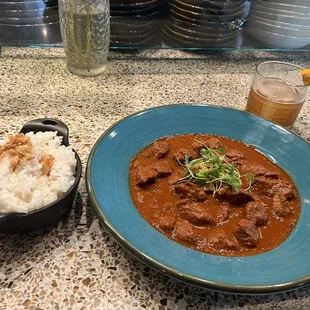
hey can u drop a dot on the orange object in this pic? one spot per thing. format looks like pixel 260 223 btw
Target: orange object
pixel 306 76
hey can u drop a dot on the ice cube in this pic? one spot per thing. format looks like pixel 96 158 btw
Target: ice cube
pixel 280 91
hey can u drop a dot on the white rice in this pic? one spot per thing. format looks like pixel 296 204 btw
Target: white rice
pixel 26 188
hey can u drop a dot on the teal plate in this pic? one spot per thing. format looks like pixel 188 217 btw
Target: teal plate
pixel 281 269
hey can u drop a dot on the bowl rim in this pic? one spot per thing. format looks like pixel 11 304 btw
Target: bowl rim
pixel 196 46
pixel 277 11
pixel 202 15
pixel 277 23
pixel 30 25
pixel 281 35
pixel 31 10
pixel 205 25
pixel 195 32
pixel 217 21
pixel 284 1
pixel 195 6
pixel 211 40
pixel 253 10
pixel 284 4
pixel 139 3
pixel 279 26
pixel 146 259
pixel 29 1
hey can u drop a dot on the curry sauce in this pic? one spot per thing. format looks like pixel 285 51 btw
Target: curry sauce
pixel 248 215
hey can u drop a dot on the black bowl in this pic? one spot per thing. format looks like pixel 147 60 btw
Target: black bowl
pixel 221 4
pixel 200 32
pixel 130 24
pixel 210 16
pixel 150 41
pixel 209 8
pixel 172 38
pixel 139 12
pixel 129 4
pixel 12 223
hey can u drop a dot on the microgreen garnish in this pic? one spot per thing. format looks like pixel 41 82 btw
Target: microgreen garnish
pixel 212 170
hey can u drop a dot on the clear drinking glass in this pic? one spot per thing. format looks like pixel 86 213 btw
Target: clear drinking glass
pixel 85 31
pixel 278 92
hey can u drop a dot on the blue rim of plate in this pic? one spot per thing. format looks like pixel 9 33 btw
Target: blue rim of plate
pixel 217 285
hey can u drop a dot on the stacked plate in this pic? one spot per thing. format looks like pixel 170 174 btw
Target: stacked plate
pixel 205 23
pixel 134 23
pixel 29 21
pixel 28 12
pixel 280 24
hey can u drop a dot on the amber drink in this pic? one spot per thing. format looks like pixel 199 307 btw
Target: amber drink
pixel 277 92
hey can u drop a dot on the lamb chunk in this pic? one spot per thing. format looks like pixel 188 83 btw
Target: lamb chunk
pixel 220 241
pixel 283 189
pixel 234 155
pixel 197 146
pixel 256 212
pixel 179 156
pixel 214 143
pixel 166 222
pixel 183 202
pixel 226 193
pixel 280 207
pixel 271 187
pixel 183 230
pixel 191 191
pixel 175 177
pixel 247 233
pixel 223 214
pixel 159 149
pixel 263 186
pixel 162 168
pixel 195 214
pixel 259 171
pixel 271 174
pixel 145 175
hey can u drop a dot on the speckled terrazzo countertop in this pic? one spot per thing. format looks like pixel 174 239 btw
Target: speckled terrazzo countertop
pixel 76 264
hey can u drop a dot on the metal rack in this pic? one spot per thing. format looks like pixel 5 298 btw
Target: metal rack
pixel 159 24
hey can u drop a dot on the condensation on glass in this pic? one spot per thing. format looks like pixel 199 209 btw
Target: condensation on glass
pixel 85 31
